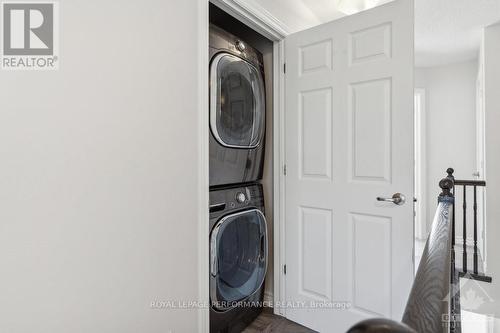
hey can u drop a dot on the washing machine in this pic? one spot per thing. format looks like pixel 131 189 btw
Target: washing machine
pixel 238 257
pixel 237 110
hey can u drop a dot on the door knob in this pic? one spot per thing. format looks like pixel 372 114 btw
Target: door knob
pixel 397 199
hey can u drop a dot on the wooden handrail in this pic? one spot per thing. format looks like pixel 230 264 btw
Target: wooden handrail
pixel 430 305
pixel 429 301
pixel 470 182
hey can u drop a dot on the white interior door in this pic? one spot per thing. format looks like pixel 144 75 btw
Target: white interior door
pixel 349 140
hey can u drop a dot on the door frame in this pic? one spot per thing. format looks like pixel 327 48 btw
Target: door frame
pixel 480 151
pixel 203 176
pixel 267 25
pixel 420 153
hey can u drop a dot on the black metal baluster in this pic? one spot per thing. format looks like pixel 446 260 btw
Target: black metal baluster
pixel 475 229
pixel 464 264
pixel 474 270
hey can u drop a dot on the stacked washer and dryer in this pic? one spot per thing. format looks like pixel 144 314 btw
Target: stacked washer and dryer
pixel 238 231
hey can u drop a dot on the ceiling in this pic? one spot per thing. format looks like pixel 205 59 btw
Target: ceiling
pixel 449 31
pixel 446 31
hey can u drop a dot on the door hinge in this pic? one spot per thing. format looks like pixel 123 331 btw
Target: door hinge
pixel 284 67
pixel 284 169
pixel 284 269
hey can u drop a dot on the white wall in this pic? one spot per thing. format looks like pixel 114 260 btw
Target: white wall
pixel 99 174
pixel 492 140
pixel 450 121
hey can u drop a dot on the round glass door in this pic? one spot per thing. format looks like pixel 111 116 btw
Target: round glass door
pixel 237 102
pixel 238 257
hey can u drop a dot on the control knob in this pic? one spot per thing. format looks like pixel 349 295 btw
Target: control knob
pixel 241 197
pixel 240 46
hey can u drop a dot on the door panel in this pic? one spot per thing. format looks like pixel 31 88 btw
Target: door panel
pixel 349 139
pixel 316 246
pixel 316 57
pixel 315 112
pixel 370 150
pixel 372 43
pixel 369 257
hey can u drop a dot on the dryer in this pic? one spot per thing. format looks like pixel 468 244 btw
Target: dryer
pixel 237 110
pixel 238 257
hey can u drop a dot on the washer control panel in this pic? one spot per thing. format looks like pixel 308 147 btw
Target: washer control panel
pixel 241 197
pixel 222 200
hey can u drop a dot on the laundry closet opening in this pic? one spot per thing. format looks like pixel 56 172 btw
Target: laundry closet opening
pixel 241 171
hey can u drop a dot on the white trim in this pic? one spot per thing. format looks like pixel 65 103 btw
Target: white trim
pixel 255 16
pixel 484 207
pixel 480 150
pixel 268 297
pixel 203 177
pixel 420 166
pixel 279 177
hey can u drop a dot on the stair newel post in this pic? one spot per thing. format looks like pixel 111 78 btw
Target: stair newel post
pixel 447 195
pixel 450 172
pixel 450 176
pixel 446 185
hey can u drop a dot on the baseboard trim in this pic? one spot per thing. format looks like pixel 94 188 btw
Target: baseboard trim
pixel 268 297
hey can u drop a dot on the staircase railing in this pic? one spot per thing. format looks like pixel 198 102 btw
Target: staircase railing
pixel 434 302
pixel 471 185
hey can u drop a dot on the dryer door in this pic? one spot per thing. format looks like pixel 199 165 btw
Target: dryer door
pixel 237 102
pixel 238 263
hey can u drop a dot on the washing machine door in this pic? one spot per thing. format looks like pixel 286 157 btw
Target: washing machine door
pixel 238 263
pixel 237 102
